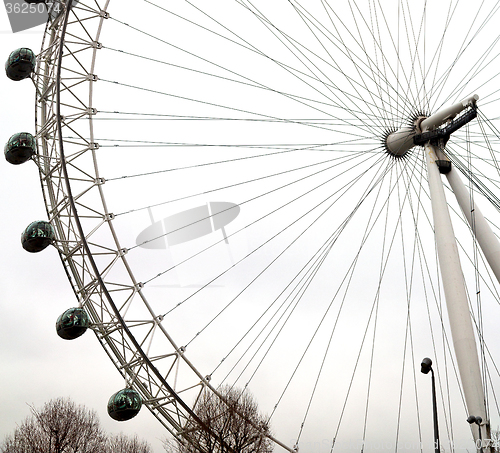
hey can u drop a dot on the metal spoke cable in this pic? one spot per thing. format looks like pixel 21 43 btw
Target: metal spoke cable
pixel 398 97
pixel 249 46
pixel 343 190
pixel 247 82
pixel 322 124
pixel 478 183
pixel 479 66
pixel 372 63
pixel 405 97
pixel 295 298
pixel 290 70
pixel 327 146
pixel 318 256
pixel 402 102
pixel 439 85
pixel 209 103
pixel 365 53
pixel 415 261
pixel 136 116
pixel 377 305
pixel 342 159
pixel 321 258
pixel 487 141
pixel 332 60
pixel 296 45
pixel 265 269
pixel 377 44
pixel 311 24
pixel 480 174
pixel 463 47
pixel 348 275
pixel 408 278
pixel 407 183
pixel 436 57
pixel 417 62
pixel 477 284
pixel 409 94
pixel 482 166
pixel 399 226
pixel 305 270
pixel 348 185
pixel 352 378
pixel 406 101
pixel 300 51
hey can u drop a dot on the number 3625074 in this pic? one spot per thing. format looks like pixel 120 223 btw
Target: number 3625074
pixel 31 8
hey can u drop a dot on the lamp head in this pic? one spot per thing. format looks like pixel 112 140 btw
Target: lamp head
pixel 472 419
pixel 426 365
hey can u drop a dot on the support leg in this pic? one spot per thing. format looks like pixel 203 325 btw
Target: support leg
pixel 485 237
pixel 456 298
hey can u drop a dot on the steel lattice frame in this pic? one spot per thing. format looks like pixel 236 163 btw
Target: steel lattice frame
pixel 101 278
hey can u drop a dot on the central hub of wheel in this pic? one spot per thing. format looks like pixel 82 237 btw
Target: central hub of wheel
pixel 398 143
pixel 423 129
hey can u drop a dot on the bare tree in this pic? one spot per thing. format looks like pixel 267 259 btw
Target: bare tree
pixel 63 427
pixel 120 443
pixel 233 424
pixel 60 427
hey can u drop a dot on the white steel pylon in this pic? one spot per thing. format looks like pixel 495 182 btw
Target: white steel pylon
pixel 427 132
pixel 462 331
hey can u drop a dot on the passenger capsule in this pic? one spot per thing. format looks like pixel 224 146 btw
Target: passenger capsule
pixel 20 64
pixel 72 324
pixel 37 236
pixel 20 148
pixel 124 405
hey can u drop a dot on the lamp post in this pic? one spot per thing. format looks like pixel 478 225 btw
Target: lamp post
pixel 426 366
pixel 477 420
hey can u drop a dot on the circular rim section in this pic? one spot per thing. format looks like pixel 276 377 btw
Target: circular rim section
pixel 60 170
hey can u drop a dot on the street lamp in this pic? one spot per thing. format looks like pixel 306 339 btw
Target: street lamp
pixel 426 366
pixel 477 420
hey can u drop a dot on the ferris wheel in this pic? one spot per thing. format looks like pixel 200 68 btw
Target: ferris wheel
pixel 243 193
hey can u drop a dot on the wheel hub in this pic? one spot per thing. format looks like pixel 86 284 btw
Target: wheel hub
pixel 424 129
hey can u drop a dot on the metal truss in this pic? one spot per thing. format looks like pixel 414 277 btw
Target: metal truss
pixel 123 321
